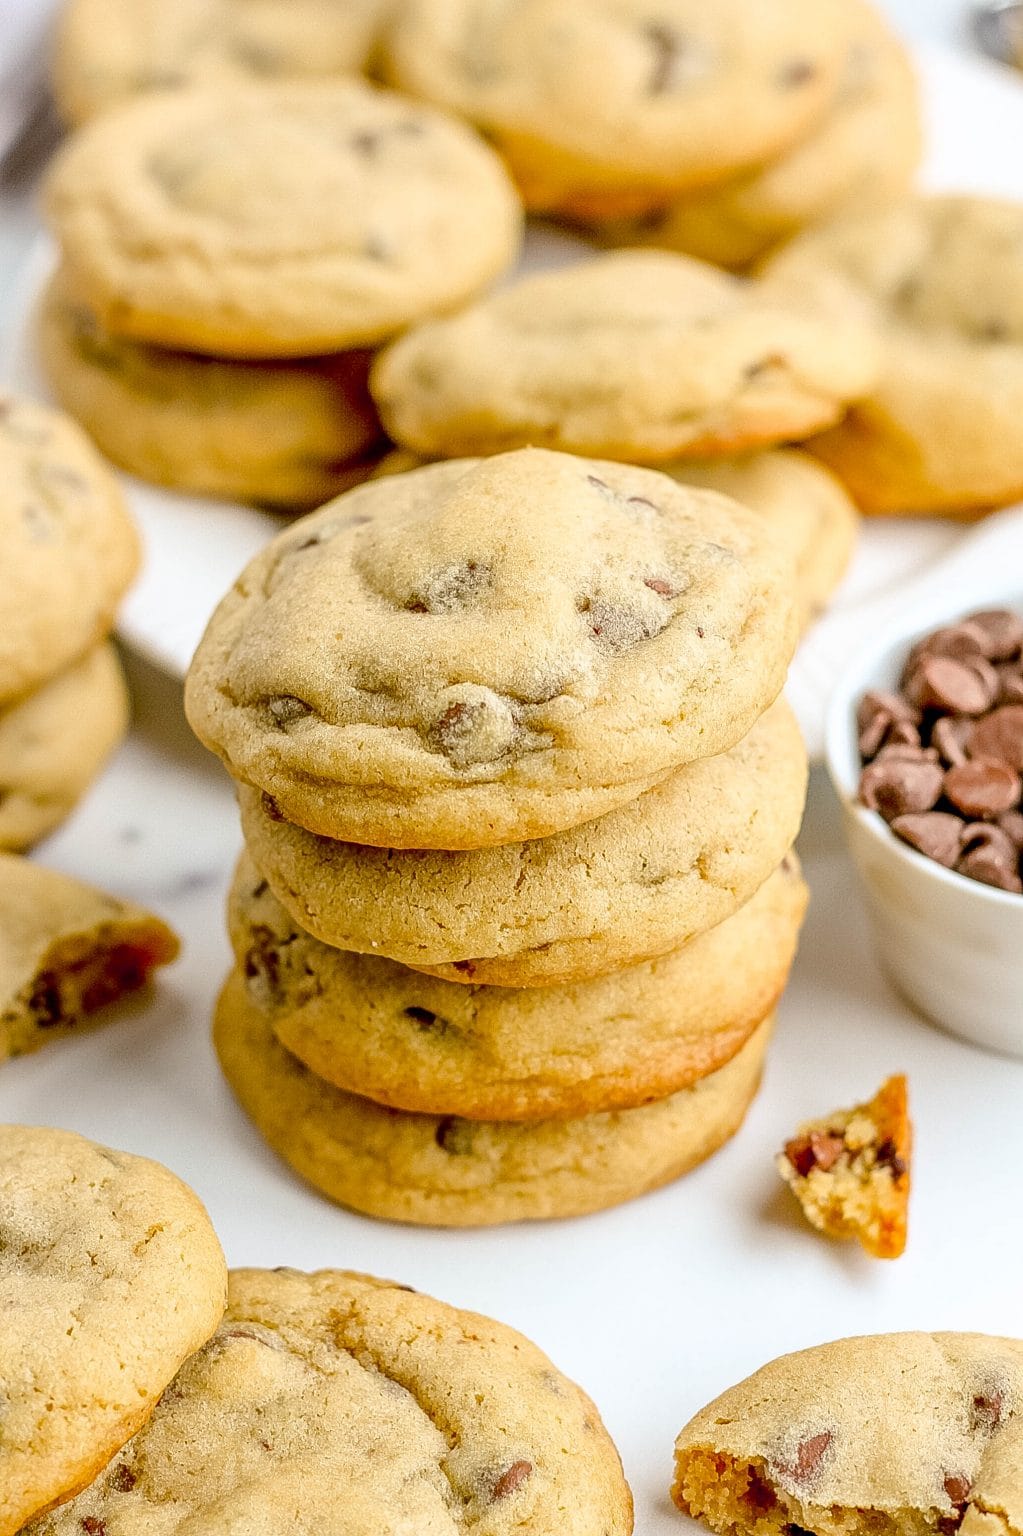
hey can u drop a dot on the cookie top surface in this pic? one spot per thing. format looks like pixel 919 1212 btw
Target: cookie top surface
pixel 110 1276
pixel 107 50
pixel 593 99
pixel 70 546
pixel 280 221
pixel 444 1171
pixel 432 1421
pixel 927 1423
pixel 418 1043
pixel 474 653
pixel 639 881
pixel 637 355
pixel 861 154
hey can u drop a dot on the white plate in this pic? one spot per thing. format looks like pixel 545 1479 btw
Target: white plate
pixel 195 547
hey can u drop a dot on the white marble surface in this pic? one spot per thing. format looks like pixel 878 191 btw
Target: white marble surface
pixel 654 1307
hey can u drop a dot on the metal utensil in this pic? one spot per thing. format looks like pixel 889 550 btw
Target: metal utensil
pixel 998 29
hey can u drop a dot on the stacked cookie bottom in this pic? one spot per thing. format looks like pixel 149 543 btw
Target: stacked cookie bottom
pixel 530 1031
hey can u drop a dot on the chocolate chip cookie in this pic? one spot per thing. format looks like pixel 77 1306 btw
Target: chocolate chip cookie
pixel 67 952
pixel 636 883
pixel 279 221
pixel 109 50
pixel 55 741
pixel 333 1404
pixel 940 277
pixel 69 546
pixel 635 355
pixel 110 1277
pixel 613 106
pixel 477 653
pixel 495 1053
pixel 860 154
pixel 449 1172
pixel 285 434
pixel 901 1431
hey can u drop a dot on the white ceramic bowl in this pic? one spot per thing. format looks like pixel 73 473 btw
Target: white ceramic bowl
pixel 952 946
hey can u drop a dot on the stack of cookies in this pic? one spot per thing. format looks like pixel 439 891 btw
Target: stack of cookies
pixel 518 796
pixel 230 259
pixel 70 551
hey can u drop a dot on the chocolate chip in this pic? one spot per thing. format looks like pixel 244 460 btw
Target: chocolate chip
pixel 263 964
pixel 986 1411
pixel 45 1002
pixel 511 1480
pixel 616 628
pixel 668 48
pixel 896 785
pixel 286 709
pixel 797 72
pixel 951 734
pixel 963 687
pixel 122 1479
pixel 815 1150
pixel 1001 735
pixel 480 729
pixel 430 1023
pixel 876 717
pixel 983 787
pixel 452 588
pixel 125 968
pixel 271 810
pixel 986 861
pixel 1012 825
pixel 810 1454
pixel 961 641
pixel 888 1156
pixel 1002 630
pixel 454 1136
pixel 936 834
pixel 662 586
pixel 765 364
pixel 1010 684
pixel 957 1488
pixel 93 1526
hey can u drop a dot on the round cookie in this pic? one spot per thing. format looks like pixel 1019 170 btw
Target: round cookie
pixel 941 278
pixel 477 653
pixel 861 154
pixel 288 434
pixel 416 1043
pixel 110 1277
pixel 604 107
pixel 70 547
pixel 282 221
pixel 54 743
pixel 333 1404
pixel 67 952
pixel 449 1172
pixel 633 884
pixel 635 355
pixel 109 50
pixel 806 507
pixel 907 1431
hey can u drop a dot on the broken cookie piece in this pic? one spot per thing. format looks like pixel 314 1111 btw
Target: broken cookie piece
pixel 67 952
pixel 850 1171
pixel 881 1436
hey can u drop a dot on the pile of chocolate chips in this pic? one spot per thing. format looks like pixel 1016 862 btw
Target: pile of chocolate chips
pixel 944 756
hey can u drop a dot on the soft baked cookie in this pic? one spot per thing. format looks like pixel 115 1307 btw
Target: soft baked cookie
pixel 449 1172
pixel 906 1432
pixel 107 50
pixel 55 741
pixel 941 277
pixel 861 154
pixel 850 1171
pixel 281 221
pixel 636 355
pixel 806 507
pixel 476 653
pixel 67 952
pixel 289 434
pixel 494 1053
pixel 70 547
pixel 110 1276
pixel 633 884
pixel 333 1404
pixel 611 106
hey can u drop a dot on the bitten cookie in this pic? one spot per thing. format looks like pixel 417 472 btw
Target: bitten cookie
pixel 55 741
pixel 449 1172
pixel 70 547
pixel 941 278
pixel 850 1171
pixel 861 154
pixel 281 221
pixel 476 653
pixel 635 355
pixel 108 50
pixel 276 433
pixel 493 1053
pixel 900 1431
pixel 66 953
pixel 640 881
pixel 611 106
pixel 110 1277
pixel 333 1404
